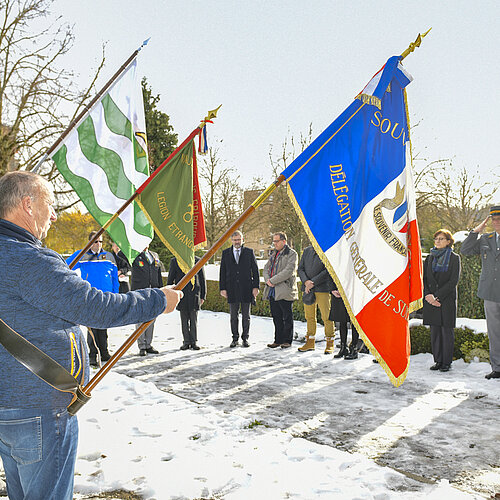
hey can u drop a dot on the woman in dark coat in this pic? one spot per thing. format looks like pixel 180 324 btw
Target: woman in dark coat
pixel 189 305
pixel 441 273
pixel 338 313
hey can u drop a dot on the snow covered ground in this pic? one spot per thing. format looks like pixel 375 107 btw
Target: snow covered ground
pixel 259 423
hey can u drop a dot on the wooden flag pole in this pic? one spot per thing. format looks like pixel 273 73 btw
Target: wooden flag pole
pixel 87 389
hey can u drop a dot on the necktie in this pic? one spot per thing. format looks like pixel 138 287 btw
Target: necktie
pixel 238 256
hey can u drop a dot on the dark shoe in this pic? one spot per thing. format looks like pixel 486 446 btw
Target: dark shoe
pixel 286 345
pixel 93 363
pixel 245 343
pixel 152 350
pixel 493 374
pixel 184 347
pixel 195 347
pixel 273 345
pixel 445 368
pixel 343 351
pixel 234 343
pixel 437 366
pixel 105 357
pixel 353 353
pixel 142 352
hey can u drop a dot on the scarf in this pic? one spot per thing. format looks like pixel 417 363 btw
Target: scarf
pixel 13 231
pixel 441 259
pixel 272 291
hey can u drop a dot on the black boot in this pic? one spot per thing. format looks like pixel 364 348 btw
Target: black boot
pixel 353 353
pixel 343 351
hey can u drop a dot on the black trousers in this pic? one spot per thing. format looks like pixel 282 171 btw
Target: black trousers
pixel 101 339
pixel 281 311
pixel 189 323
pixel 442 342
pixel 234 309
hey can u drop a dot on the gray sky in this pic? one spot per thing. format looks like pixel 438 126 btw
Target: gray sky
pixel 277 66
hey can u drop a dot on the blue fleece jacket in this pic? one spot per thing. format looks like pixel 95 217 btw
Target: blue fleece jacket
pixel 99 270
pixel 44 301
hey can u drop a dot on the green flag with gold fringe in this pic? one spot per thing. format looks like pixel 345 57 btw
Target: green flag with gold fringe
pixel 172 203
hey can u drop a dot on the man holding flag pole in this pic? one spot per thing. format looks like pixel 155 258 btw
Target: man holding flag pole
pixel 46 303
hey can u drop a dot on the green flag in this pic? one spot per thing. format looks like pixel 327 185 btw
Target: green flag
pixel 105 159
pixel 171 202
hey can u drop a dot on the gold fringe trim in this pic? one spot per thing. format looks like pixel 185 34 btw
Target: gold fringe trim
pixel 182 264
pixel 419 303
pixel 396 381
pixel 370 99
pixel 416 305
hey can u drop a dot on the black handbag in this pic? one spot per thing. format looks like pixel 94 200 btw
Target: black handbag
pixel 309 298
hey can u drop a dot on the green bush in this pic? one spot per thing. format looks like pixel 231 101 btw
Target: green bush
pixel 469 304
pixel 467 343
pixel 420 337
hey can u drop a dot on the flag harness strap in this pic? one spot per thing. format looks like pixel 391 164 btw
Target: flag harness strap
pixel 42 365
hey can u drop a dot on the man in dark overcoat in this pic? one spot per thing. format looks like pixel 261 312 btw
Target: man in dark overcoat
pixel 239 284
pixel 146 273
pixel 190 304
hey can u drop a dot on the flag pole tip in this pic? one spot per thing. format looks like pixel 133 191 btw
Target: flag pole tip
pixel 414 44
pixel 210 115
pixel 147 41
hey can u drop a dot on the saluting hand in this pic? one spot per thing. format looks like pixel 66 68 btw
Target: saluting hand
pixel 480 228
pixel 173 297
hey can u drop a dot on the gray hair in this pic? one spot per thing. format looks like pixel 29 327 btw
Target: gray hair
pixel 237 233
pixel 14 186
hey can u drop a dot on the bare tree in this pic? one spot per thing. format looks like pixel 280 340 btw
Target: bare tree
pixel 222 195
pixel 449 197
pixel 33 89
pixel 283 215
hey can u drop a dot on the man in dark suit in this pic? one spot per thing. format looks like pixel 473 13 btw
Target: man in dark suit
pixel 146 273
pixel 239 284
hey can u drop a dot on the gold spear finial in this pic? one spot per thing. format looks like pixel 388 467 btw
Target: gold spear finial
pixel 212 114
pixel 414 44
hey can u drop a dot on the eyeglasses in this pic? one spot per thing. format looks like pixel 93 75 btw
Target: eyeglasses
pixel 276 241
pixel 98 241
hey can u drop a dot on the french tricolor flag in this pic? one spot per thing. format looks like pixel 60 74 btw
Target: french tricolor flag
pixel 354 192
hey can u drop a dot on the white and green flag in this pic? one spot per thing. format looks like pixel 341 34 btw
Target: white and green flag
pixel 105 160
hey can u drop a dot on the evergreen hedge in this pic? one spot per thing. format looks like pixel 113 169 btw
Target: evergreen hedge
pixel 469 304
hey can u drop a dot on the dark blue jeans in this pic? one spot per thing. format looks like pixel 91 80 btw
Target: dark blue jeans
pixel 38 450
